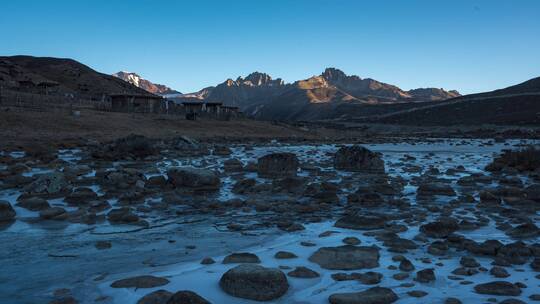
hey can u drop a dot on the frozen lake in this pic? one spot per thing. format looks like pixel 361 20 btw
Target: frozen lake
pixel 39 257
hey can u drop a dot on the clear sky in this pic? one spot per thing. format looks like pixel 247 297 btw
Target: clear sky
pixel 468 45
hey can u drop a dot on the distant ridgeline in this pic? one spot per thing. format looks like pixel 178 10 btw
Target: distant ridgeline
pixel 331 96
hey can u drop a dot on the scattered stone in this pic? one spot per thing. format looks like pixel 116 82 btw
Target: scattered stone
pixel 430 189
pixel 53 213
pixel 469 262
pixel 425 276
pixel 81 196
pixel 499 272
pixel 370 278
pixel 441 228
pixel 156 297
pixel 186 297
pixel 464 271
pixel 145 281
pixel 358 159
pixel 498 288
pixel 233 165
pixel 122 216
pixel 327 233
pixel 48 184
pixel 400 276
pixel 512 301
pixel 7 213
pixel 129 147
pixel 535 264
pixel 64 300
pixel 351 240
pixel 374 295
pixel 342 276
pixel 207 261
pixel 277 165
pixel 417 293
pixel 34 204
pixel 361 222
pixel 285 255
pixel 290 226
pixel 195 179
pixel 254 282
pixel 524 231
pixel 406 265
pixel 242 257
pixel 303 272
pixel 346 257
pixel 535 297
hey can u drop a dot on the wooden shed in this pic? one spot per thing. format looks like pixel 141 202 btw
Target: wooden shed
pixel 213 108
pixel 137 103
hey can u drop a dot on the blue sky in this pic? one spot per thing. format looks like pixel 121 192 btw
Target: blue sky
pixel 469 45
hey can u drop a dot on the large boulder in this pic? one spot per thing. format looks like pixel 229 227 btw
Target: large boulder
pixel 524 231
pixel 277 165
pixel 7 214
pixel 346 257
pixel 47 184
pixel 33 203
pixel 241 257
pixel 358 159
pixel 522 160
pixel 425 276
pixel 145 281
pixel 254 282
pixel 187 297
pixel 375 295
pixel 81 196
pixel 498 288
pixel 130 147
pixel 303 273
pixel 194 179
pixel 53 213
pixel 156 297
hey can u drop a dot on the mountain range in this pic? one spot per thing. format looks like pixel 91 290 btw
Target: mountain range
pixel 261 96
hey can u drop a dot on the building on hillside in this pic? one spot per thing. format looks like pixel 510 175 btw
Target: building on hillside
pixel 138 103
pixel 192 109
pixel 26 85
pixel 228 112
pixel 48 87
pixel 213 108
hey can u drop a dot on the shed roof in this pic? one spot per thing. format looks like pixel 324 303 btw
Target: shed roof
pixel 192 103
pixel 136 96
pixel 215 103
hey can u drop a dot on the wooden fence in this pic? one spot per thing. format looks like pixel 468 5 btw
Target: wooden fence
pixel 40 102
